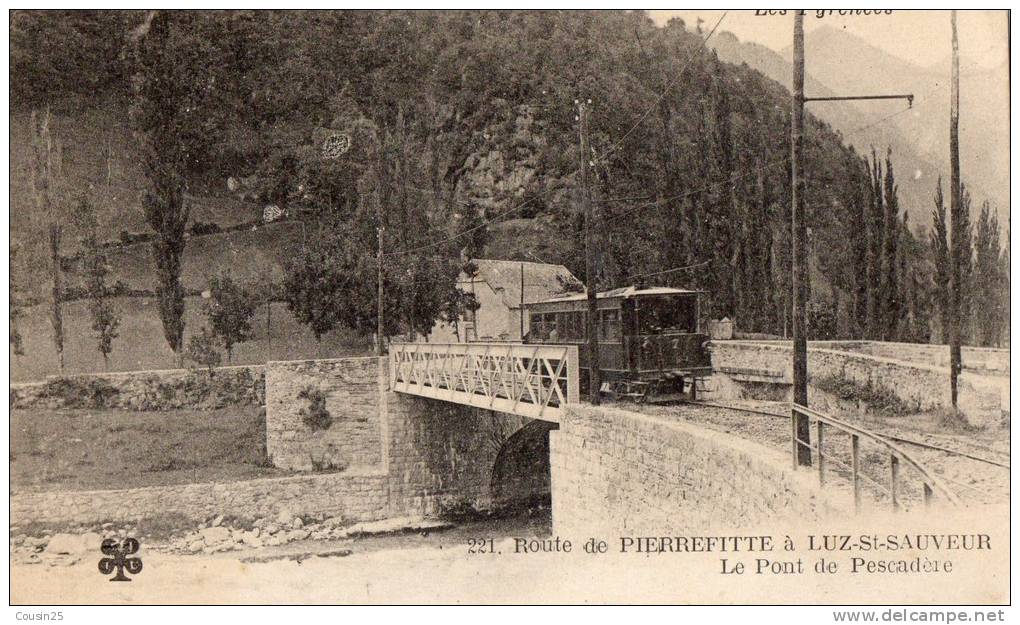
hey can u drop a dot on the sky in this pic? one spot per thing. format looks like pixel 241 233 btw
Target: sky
pixel 908 34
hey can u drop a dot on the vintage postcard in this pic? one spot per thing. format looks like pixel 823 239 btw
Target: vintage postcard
pixel 510 307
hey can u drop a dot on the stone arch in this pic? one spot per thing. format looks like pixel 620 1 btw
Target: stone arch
pixel 521 474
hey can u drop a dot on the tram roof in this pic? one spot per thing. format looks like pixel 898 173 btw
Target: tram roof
pixel 622 292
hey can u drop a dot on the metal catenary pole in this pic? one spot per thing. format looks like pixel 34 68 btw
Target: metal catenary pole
pixel 801 425
pixel 594 376
pixel 801 276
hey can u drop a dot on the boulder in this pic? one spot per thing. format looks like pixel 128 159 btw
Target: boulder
pixel 73 544
pixel 217 521
pixel 252 539
pixel 212 535
pixel 284 516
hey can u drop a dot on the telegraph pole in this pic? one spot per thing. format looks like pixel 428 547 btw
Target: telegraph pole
pixel 379 276
pixel 522 302
pixel 594 381
pixel 954 218
pixel 800 423
pixel 801 276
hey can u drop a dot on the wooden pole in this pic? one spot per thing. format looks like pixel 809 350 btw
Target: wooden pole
pixel 522 302
pixel 800 277
pixel 594 381
pixel 956 236
pixel 379 278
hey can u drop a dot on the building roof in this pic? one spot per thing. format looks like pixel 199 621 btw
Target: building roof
pixel 627 291
pixel 541 281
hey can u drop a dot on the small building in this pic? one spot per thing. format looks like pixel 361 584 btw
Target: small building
pixel 501 287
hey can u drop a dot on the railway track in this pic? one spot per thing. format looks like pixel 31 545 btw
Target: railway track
pixel 892 437
pixel 978 473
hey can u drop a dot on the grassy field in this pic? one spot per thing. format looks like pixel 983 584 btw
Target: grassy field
pixel 141 344
pixel 111 449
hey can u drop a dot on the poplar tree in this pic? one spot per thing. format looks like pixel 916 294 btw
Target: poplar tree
pixel 939 241
pixel 890 242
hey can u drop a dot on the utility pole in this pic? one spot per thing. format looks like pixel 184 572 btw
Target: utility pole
pixel 956 239
pixel 594 381
pixel 379 273
pixel 522 302
pixel 800 423
pixel 801 276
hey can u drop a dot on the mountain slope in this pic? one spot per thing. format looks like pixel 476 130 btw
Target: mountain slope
pixel 984 106
pixel 861 129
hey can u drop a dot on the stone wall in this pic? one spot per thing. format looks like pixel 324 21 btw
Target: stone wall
pixel 621 473
pixel 920 386
pixel 351 389
pixel 355 497
pixel 396 455
pixel 167 389
pixel 980 360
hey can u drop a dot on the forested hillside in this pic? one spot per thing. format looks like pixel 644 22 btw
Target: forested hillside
pixel 463 127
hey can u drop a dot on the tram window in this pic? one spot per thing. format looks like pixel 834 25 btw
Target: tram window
pixel 549 323
pixel 609 326
pixel 660 315
pixel 537 329
pixel 568 326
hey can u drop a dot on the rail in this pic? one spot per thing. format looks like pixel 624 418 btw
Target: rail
pixel 533 381
pixel 930 484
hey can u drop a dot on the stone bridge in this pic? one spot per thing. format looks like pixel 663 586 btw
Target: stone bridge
pixel 436 448
pixel 479 428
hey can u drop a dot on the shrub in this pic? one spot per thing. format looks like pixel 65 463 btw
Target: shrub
pixel 202 350
pixel 876 395
pixel 81 393
pixel 315 415
pixel 200 228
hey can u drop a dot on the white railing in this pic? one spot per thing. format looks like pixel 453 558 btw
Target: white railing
pixel 533 381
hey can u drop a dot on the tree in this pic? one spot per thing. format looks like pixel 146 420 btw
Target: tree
pixel 202 350
pixel 42 187
pixel 14 303
pixel 987 282
pixel 939 239
pixel 876 236
pixel 167 113
pixel 230 312
pixel 890 293
pixel 104 317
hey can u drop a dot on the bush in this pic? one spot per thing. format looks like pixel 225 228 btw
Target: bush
pixel 202 350
pixel 200 228
pixel 877 396
pixel 81 393
pixel 315 415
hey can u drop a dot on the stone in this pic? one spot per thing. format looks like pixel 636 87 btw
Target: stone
pixel 284 516
pixel 297 523
pixel 212 535
pixel 297 535
pixel 217 521
pixel 72 544
pixel 252 540
pixel 274 541
pixel 272 528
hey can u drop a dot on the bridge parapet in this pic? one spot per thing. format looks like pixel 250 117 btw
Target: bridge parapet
pixel 534 381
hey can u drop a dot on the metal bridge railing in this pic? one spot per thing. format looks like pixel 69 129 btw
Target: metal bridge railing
pixel 533 381
pixel 893 489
